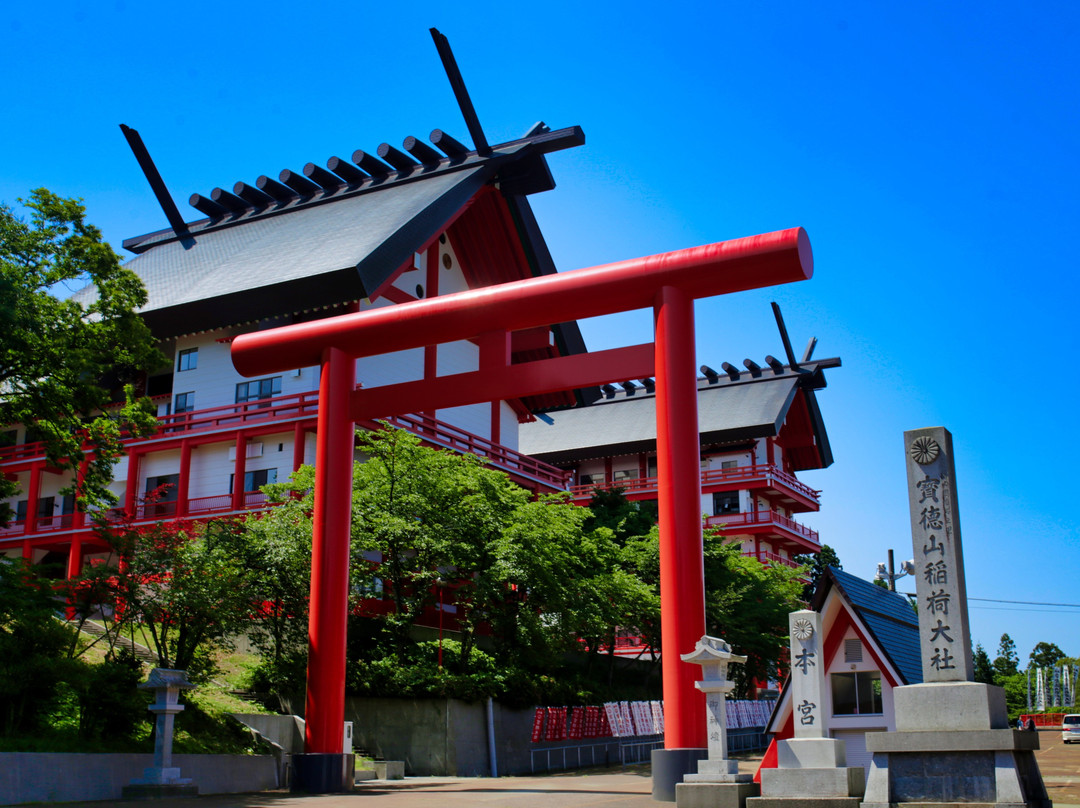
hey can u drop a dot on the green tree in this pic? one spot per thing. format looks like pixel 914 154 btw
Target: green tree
pixel 1046 655
pixel 747 604
pixel 33 649
pixel 184 584
pixel 63 364
pixel 817 564
pixel 1006 663
pixel 984 669
pixel 276 553
pixel 1015 687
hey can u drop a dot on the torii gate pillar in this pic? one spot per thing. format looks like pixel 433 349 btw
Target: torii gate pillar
pixel 682 573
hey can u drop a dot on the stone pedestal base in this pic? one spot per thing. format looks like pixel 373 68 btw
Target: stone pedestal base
pixel 162 776
pixel 810 753
pixel 812 783
pixel 949 706
pixel 805 802
pixel 995 767
pixel 316 773
pixel 670 766
pixel 158 791
pixel 700 794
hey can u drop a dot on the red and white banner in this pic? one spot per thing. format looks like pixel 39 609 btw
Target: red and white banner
pixel 538 725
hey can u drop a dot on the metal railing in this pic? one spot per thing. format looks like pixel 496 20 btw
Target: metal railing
pixel 598 752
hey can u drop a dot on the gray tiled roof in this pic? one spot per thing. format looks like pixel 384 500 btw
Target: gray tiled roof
pixel 726 412
pixel 305 257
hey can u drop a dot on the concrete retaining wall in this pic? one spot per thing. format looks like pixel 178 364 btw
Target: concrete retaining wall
pixel 441 737
pixel 53 777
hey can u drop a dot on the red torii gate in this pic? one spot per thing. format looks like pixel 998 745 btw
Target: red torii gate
pixel 669 283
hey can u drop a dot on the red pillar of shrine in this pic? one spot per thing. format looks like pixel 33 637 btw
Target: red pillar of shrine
pixel 682 571
pixel 238 472
pixel 325 712
pixel 184 485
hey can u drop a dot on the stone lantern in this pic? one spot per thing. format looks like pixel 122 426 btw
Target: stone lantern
pixel 163 778
pixel 717 781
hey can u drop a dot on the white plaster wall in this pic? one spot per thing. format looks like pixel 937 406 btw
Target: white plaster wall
pixel 508 424
pixel 391 368
pixel 450 280
pixel 214 380
pixel 475 418
pixel 837 664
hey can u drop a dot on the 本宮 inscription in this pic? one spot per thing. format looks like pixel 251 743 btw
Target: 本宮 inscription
pixel 805 660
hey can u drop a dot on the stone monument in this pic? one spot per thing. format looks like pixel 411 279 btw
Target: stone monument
pixel 811 768
pixel 163 779
pixel 952 742
pixel 717 783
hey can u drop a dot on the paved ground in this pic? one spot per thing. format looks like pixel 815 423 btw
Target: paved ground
pixel 596 788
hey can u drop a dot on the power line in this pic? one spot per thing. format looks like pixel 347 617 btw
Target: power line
pixel 1017 602
pixel 1027 602
pixel 1016 609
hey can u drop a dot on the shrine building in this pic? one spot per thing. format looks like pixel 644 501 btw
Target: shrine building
pixel 870 647
pixel 381 229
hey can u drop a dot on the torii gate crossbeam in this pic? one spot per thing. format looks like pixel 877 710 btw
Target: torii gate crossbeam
pixel 669 283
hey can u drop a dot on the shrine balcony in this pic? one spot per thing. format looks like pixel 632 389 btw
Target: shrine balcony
pixel 768 524
pixel 764 479
pixel 271 415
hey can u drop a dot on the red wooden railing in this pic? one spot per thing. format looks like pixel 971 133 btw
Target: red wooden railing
pixel 772 558
pixel 306 405
pixel 761 474
pixel 733 521
pixel 448 436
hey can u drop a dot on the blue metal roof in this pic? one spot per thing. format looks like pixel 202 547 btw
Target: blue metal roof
pixel 889 617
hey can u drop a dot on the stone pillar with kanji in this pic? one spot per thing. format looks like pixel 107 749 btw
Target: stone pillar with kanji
pixel 811 767
pixel 953 742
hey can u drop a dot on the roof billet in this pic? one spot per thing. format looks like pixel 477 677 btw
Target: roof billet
pixel 340 180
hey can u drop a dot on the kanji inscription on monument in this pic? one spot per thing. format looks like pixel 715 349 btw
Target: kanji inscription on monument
pixel 807 673
pixel 944 639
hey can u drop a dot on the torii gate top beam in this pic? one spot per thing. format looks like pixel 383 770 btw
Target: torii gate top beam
pixel 714 269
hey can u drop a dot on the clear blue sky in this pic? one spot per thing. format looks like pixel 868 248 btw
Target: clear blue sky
pixel 930 150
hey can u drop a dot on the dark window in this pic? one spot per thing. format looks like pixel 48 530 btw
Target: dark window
pixel 856 693
pixel 624 474
pixel 67 505
pixel 45 506
pixel 254 480
pixel 160 385
pixel 165 489
pixel 591 479
pixel 725 502
pixel 258 390
pixel 168 483
pixel 729 464
pixel 187 359
pixel 33 435
pixel 185 402
pixel 7 438
pixel 20 511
